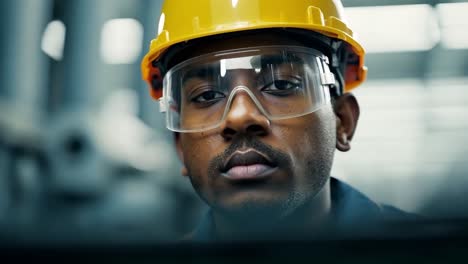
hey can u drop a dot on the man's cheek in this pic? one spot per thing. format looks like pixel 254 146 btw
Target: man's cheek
pixel 197 161
pixel 193 164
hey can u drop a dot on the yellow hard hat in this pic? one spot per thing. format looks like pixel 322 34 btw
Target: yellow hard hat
pixel 184 20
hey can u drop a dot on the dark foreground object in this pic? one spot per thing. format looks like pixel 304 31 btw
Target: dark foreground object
pixel 422 242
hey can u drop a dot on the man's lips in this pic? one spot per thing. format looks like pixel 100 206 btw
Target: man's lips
pixel 248 165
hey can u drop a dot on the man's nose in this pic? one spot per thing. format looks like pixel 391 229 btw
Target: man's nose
pixel 244 117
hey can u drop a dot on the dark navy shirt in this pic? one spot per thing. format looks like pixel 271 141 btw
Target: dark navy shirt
pixel 353 215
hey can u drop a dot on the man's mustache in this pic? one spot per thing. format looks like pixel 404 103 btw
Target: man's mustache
pixel 277 156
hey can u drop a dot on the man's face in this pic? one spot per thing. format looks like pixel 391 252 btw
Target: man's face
pixel 250 165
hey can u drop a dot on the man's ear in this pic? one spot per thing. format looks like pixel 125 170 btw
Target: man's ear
pixel 180 153
pixel 347 114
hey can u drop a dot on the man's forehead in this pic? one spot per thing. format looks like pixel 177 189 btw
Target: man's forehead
pixel 239 63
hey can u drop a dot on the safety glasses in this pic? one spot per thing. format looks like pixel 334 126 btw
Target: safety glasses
pixel 282 81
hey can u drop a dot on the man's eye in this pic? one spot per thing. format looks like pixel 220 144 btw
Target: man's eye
pixel 208 97
pixel 282 87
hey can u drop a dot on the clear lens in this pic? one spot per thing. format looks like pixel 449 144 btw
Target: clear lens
pixel 283 81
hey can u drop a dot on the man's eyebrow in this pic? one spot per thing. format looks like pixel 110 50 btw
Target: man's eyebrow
pixel 199 72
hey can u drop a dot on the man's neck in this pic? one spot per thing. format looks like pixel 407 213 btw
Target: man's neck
pixel 306 219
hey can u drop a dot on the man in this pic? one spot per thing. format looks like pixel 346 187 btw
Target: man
pixel 257 93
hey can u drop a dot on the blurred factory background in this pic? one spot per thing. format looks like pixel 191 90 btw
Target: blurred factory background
pixel 84 154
